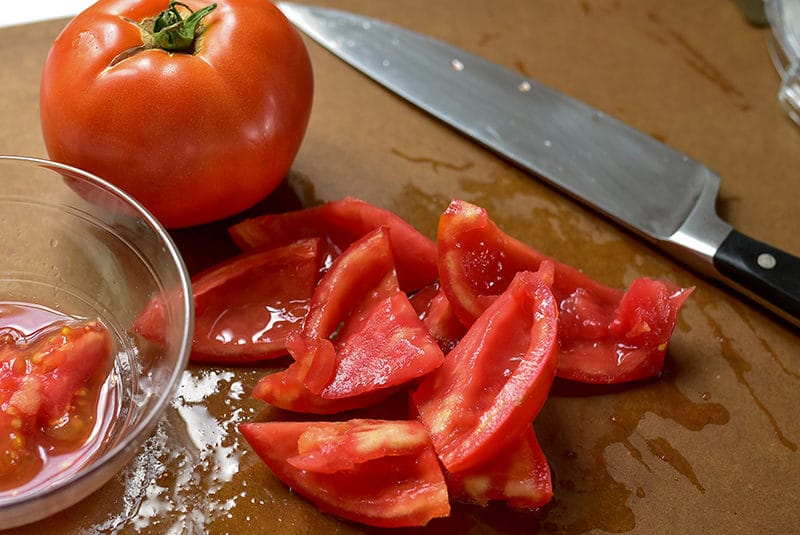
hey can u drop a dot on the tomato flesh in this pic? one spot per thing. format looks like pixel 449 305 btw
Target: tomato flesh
pixel 49 387
pixel 384 486
pixel 493 383
pixel 338 446
pixel 438 316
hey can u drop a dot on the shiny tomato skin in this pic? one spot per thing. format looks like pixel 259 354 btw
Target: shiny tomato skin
pixel 194 137
pixel 245 306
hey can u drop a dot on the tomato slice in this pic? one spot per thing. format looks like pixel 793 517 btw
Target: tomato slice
pixel 635 343
pixel 269 231
pixel 340 223
pixel 518 475
pixel 493 384
pixel 477 261
pixel 382 487
pixel 48 393
pixel 362 334
pixel 246 306
pixel 387 346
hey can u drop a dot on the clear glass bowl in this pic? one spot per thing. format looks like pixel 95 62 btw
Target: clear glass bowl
pixel 784 19
pixel 76 244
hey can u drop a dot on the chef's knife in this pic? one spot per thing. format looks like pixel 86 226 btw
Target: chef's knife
pixel 643 184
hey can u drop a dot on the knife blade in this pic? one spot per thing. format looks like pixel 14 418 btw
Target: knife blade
pixel 637 181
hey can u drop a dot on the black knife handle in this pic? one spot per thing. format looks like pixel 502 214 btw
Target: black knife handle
pixel 770 275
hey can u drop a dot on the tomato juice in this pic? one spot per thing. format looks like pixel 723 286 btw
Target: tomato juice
pixel 59 395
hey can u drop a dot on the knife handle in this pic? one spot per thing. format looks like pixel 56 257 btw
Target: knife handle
pixel 769 275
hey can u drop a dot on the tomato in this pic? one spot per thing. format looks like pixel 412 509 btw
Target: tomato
pixel 341 223
pixel 360 336
pixel 493 383
pixel 394 480
pixel 247 305
pixel 597 324
pixel 518 475
pixel 195 134
pixel 49 387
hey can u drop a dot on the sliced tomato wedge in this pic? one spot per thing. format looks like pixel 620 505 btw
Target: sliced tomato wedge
pixel 268 231
pixel 247 305
pixel 48 395
pixel 361 333
pixel 477 261
pixel 340 223
pixel 493 383
pixel 386 346
pixel 518 476
pixel 383 486
pixel 635 341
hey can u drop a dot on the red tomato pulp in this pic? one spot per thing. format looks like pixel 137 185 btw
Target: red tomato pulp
pixel 55 394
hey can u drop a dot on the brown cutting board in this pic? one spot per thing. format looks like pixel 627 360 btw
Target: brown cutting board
pixel 710 447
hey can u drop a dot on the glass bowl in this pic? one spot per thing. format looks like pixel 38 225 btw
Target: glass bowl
pixel 784 18
pixel 77 245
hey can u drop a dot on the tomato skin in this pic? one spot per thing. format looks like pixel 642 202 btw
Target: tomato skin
pixel 383 488
pixel 194 137
pixel 493 383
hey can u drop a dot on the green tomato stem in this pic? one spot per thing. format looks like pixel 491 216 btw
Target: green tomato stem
pixel 171 32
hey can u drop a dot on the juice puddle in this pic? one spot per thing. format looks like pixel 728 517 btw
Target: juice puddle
pixel 23 324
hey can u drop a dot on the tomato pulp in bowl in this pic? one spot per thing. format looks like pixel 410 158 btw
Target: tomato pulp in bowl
pixel 81 257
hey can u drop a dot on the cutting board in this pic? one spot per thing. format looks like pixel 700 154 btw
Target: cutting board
pixel 709 447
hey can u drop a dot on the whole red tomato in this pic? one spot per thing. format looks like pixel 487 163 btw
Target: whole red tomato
pixel 196 134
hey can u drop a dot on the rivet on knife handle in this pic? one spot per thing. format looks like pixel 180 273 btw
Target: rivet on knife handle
pixel 771 275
